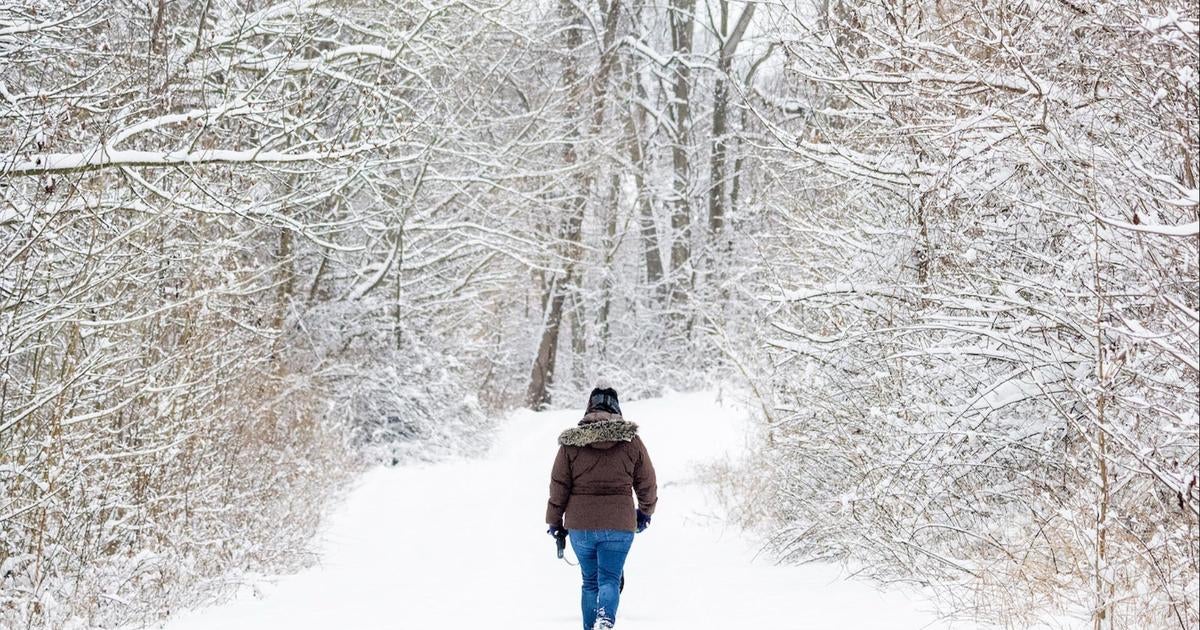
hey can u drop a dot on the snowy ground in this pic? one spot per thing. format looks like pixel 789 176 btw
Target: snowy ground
pixel 460 545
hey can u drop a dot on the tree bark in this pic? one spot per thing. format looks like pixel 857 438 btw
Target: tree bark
pixel 287 275
pixel 610 249
pixel 682 23
pixel 720 116
pixel 542 376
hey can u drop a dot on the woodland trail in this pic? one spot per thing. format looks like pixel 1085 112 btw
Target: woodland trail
pixel 459 545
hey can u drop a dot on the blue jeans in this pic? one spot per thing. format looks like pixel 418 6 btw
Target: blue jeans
pixel 601 555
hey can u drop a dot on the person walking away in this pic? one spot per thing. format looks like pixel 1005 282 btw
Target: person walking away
pixel 601 464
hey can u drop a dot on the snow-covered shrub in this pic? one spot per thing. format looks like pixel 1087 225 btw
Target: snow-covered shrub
pixel 983 304
pixel 412 399
pixel 185 182
pixel 152 444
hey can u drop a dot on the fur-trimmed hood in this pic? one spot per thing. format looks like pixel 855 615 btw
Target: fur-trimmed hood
pixel 599 429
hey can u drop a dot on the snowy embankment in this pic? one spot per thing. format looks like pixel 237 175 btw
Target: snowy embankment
pixel 460 545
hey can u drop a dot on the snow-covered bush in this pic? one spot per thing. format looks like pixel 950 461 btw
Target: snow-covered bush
pixel 983 301
pixel 187 186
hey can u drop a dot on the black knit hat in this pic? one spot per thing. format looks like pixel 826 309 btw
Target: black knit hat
pixel 604 399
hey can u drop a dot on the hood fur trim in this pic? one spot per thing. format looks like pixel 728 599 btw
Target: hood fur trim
pixel 615 430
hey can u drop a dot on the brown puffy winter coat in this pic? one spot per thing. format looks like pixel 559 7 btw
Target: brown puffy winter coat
pixel 600 465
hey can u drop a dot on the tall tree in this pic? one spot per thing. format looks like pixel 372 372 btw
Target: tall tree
pixel 683 20
pixel 727 45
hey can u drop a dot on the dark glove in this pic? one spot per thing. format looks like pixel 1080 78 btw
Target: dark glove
pixel 557 531
pixel 643 520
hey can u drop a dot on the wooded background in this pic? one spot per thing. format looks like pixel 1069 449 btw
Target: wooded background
pixel 948 248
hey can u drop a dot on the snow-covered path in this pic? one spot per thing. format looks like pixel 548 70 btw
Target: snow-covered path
pixel 460 545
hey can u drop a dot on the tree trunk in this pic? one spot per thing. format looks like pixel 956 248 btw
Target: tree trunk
pixel 542 376
pixel 287 275
pixel 1102 615
pixel 716 190
pixel 720 116
pixel 579 341
pixel 682 23
pixel 610 250
pixel 720 245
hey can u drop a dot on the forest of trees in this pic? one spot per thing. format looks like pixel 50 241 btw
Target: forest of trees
pixel 950 248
